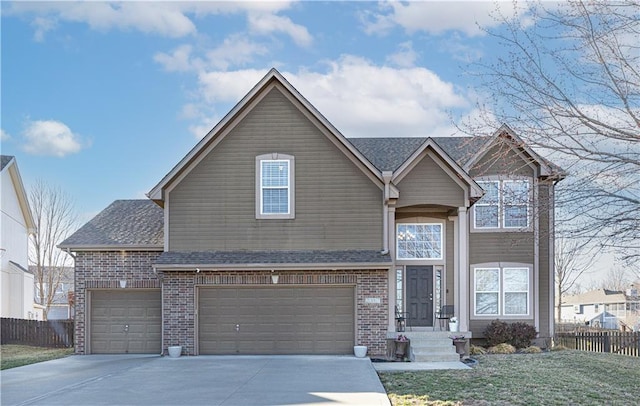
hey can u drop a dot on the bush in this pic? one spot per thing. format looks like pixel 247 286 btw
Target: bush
pixel 503 348
pixel 522 334
pixel 518 334
pixel 531 350
pixel 476 350
pixel 498 332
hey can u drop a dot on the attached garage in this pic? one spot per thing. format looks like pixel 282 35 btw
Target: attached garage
pixel 125 321
pixel 276 320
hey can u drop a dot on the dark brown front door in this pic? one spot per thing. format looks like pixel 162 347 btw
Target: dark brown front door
pixel 420 295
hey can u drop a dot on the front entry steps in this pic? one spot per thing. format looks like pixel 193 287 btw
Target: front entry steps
pixel 432 346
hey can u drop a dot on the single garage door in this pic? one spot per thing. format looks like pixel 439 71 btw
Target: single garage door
pixel 276 320
pixel 125 322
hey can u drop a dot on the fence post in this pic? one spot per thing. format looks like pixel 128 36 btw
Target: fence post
pixel 607 342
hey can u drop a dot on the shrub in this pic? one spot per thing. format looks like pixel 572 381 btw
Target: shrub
pixel 522 334
pixel 498 332
pixel 503 348
pixel 476 350
pixel 531 350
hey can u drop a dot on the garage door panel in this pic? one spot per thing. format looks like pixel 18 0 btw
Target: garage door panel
pixel 276 320
pixel 125 322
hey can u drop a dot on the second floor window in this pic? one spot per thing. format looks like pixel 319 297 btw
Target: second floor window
pixel 274 194
pixel 504 205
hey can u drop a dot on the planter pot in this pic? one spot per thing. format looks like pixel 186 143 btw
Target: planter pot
pixel 461 347
pixel 360 351
pixel 175 351
pixel 453 326
pixel 401 350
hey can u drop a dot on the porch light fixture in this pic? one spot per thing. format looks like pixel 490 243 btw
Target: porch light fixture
pixel 275 278
pixel 123 283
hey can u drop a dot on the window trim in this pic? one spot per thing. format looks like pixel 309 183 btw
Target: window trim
pixel 274 157
pixel 501 205
pixel 442 239
pixel 501 267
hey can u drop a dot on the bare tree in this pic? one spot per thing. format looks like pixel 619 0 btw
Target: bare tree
pixel 55 218
pixel 616 279
pixel 572 260
pixel 567 80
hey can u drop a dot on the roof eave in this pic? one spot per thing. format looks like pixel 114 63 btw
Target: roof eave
pixel 111 247
pixel 333 266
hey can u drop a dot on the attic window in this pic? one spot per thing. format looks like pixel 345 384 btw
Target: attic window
pixel 274 186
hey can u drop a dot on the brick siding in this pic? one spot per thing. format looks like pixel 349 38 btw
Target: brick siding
pixel 104 270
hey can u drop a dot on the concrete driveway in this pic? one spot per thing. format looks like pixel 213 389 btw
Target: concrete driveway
pixel 202 380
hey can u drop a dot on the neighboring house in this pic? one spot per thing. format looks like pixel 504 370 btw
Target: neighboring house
pixel 609 309
pixel 60 308
pixel 16 224
pixel 276 234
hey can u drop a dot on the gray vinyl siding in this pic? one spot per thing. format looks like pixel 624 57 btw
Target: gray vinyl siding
pixel 501 247
pixel 428 183
pixel 336 205
pixel 477 327
pixel 544 265
pixel 501 160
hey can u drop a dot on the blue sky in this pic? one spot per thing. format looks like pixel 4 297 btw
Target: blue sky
pixel 103 99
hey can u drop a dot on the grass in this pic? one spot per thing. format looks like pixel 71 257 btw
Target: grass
pixel 12 356
pixel 551 378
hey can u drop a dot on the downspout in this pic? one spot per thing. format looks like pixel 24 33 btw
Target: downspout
pixel 386 178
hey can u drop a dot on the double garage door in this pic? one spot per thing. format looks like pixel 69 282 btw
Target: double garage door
pixel 124 322
pixel 276 320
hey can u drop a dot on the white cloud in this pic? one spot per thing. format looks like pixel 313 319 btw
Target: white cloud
pixel 361 99
pixel 179 60
pixel 236 50
pixel 405 57
pixel 268 23
pixel 164 18
pixel 49 137
pixel 4 136
pixel 439 17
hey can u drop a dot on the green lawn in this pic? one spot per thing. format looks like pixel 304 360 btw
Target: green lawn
pixel 12 356
pixel 553 378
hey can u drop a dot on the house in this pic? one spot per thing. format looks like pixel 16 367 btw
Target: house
pixel 604 308
pixel 276 234
pixel 60 307
pixel 16 224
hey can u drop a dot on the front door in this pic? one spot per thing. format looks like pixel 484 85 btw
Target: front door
pixel 420 295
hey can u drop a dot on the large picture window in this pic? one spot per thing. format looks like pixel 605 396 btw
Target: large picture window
pixel 419 241
pixel 501 291
pixel 504 205
pixel 274 191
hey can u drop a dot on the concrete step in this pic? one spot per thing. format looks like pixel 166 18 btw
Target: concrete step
pixel 433 346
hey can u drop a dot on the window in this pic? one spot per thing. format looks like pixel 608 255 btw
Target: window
pixel 504 205
pixel 501 291
pixel 274 186
pixel 419 241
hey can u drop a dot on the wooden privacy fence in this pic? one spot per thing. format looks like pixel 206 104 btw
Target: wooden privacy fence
pixel 50 333
pixel 618 342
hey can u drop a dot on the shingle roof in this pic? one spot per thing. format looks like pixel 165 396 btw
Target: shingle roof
pixel 596 296
pixel 122 223
pixel 4 160
pixel 273 257
pixel 388 154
